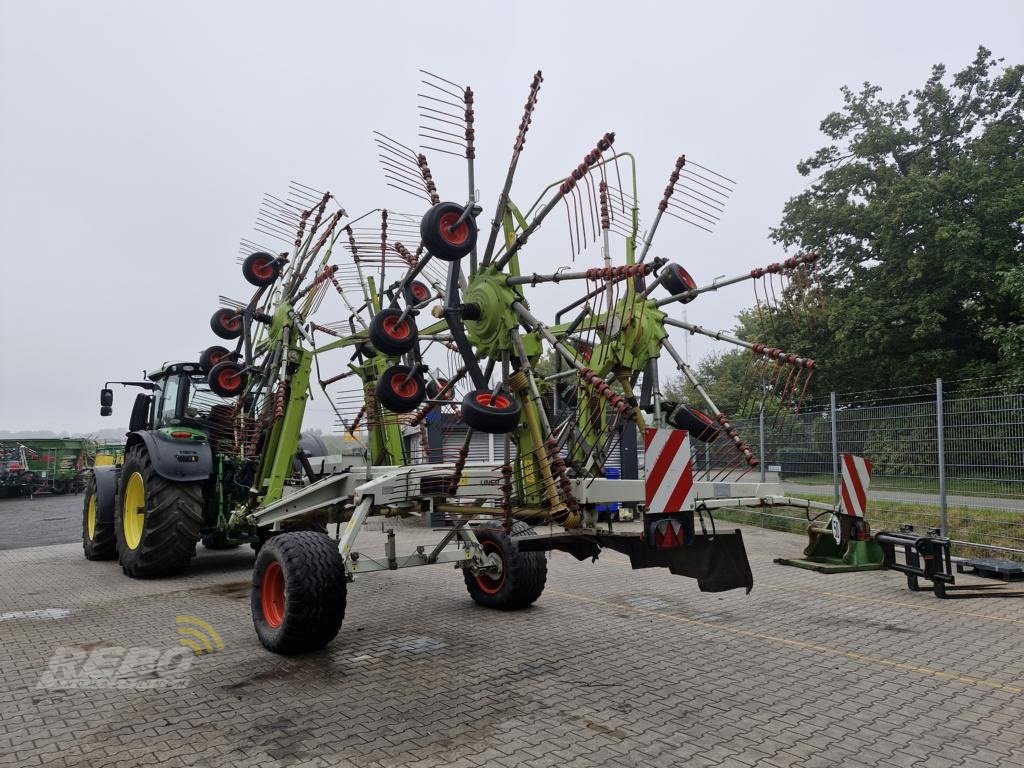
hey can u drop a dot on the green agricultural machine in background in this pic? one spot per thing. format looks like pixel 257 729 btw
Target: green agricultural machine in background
pixel 44 465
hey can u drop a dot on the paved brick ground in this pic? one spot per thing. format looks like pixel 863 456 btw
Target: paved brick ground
pixel 611 667
pixel 46 519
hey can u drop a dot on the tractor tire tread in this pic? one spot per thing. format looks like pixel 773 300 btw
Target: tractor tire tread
pixel 102 546
pixel 172 523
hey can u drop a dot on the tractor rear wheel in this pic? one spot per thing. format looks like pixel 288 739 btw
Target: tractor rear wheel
pixel 298 592
pixel 156 520
pixel 98 540
pixel 519 577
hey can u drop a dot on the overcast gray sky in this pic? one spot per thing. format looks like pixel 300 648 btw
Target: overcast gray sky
pixel 137 139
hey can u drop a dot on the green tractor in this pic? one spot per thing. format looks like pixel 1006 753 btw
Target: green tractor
pixel 179 481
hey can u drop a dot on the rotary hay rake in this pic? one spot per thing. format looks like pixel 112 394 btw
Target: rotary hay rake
pixel 438 329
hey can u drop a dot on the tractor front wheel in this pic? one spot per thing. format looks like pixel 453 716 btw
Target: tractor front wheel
pixel 515 579
pixel 98 540
pixel 156 520
pixel 298 592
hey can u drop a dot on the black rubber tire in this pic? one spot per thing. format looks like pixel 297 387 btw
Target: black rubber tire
pixel 389 336
pixel 173 517
pixel 400 392
pixel 227 378
pixel 211 356
pixel 261 269
pixel 497 416
pixel 700 426
pixel 523 573
pixel 314 592
pixel 434 387
pixel 445 245
pixel 226 323
pixel 416 293
pixel 102 545
pixel 677 280
pixel 366 349
pixel 263 535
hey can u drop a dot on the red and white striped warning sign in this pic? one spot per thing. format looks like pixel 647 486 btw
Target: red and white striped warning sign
pixel 669 465
pixel 856 479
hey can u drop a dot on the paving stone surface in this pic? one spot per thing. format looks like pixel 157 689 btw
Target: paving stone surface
pixel 611 667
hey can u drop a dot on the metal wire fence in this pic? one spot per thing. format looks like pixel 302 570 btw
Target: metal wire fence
pixel 947 455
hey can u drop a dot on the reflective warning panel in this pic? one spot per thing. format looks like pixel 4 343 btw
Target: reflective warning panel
pixel 669 466
pixel 856 479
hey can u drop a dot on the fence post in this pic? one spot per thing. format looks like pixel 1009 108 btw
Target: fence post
pixel 760 435
pixel 835 450
pixel 941 440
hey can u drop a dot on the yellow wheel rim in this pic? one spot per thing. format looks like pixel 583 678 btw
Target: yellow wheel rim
pixel 132 514
pixel 91 517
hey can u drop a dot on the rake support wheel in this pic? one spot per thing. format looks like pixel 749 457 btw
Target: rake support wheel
pixel 211 356
pixel 520 580
pixel 298 592
pixel 399 390
pixel 442 237
pixel 391 334
pixel 261 269
pixel 226 323
pixel 227 378
pixel 495 414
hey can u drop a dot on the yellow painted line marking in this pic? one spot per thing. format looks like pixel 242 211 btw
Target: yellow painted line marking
pixel 863 599
pixel 817 648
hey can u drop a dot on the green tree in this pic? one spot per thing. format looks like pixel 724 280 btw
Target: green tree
pixel 916 214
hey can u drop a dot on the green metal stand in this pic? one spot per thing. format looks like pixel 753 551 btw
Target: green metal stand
pixel 825 556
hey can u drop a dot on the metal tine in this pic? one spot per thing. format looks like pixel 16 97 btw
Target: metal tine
pixel 444 151
pixel 700 213
pixel 317 194
pixel 443 80
pixel 692 223
pixel 271 206
pixel 271 231
pixel 227 301
pixel 694 179
pixel 725 189
pixel 394 167
pixel 709 170
pixel 454 121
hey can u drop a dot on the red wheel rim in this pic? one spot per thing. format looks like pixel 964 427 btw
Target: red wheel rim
pixel 216 357
pixel 498 402
pixel 485 581
pixel 229 379
pixel 262 268
pixel 404 385
pixel 230 322
pixel 457 236
pixel 420 292
pixel 395 330
pixel 683 275
pixel 272 598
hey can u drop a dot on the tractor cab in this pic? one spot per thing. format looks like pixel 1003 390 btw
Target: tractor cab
pixel 177 395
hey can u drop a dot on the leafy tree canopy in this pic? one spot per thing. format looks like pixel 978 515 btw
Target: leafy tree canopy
pixel 917 214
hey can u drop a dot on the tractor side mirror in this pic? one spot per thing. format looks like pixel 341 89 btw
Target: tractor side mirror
pixel 106 402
